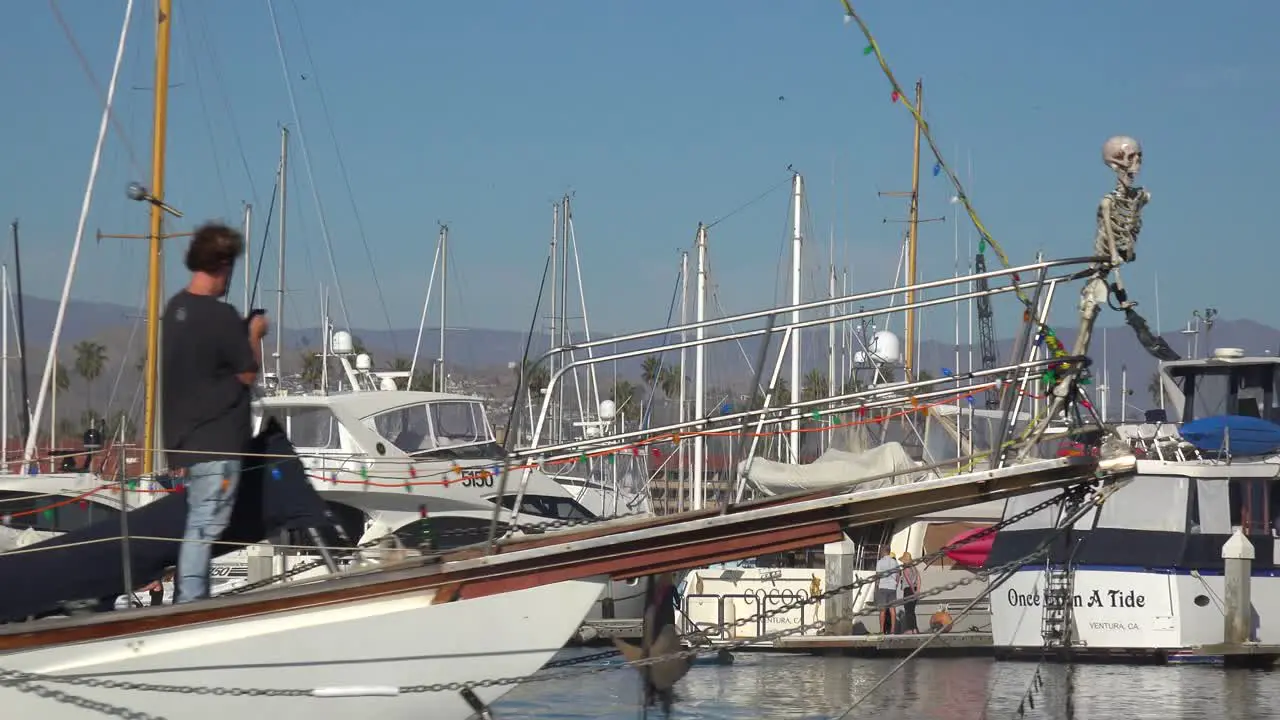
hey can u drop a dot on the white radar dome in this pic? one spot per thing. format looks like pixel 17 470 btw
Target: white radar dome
pixel 886 347
pixel 341 343
pixel 364 363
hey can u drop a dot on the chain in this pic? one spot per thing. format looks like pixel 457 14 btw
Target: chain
pixel 1077 493
pixel 17 682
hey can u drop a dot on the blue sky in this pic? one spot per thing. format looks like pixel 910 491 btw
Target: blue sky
pixel 656 115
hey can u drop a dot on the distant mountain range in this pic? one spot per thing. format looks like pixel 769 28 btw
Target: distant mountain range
pixel 485 354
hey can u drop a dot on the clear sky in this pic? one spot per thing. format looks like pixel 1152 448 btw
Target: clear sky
pixel 656 115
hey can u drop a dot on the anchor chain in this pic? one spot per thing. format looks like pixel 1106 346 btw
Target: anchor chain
pixel 1083 490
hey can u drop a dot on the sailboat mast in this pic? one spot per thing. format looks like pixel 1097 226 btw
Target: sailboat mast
pixel 797 240
pixel 159 122
pixel 24 414
pixel 909 358
pixel 684 336
pixel 248 256
pixel 444 302
pixel 699 369
pixel 284 214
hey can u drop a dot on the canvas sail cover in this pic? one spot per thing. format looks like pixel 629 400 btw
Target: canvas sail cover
pixel 882 466
pixel 274 495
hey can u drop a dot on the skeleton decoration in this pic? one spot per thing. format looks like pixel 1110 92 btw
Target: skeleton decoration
pixel 1120 211
pixel 1119 223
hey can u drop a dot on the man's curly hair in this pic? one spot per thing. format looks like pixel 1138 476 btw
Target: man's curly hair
pixel 214 247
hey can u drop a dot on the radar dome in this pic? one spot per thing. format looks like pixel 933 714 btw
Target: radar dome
pixel 885 347
pixel 608 409
pixel 389 384
pixel 341 344
pixel 364 363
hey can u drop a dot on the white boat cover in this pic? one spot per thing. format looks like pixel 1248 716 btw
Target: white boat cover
pixel 12 538
pixel 836 469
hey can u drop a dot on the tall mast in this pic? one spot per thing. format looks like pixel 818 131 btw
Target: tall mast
pixel 4 367
pixel 909 361
pixel 797 240
pixel 248 255
pixel 444 301
pixel 24 413
pixel 284 214
pixel 551 335
pixel 699 369
pixel 159 122
pixel 684 336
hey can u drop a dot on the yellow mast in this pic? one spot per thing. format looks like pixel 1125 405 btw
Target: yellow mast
pixel 159 121
pixel 909 356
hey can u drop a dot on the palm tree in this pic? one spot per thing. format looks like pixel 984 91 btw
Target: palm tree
pixel 421 380
pixel 669 382
pixel 91 357
pixel 622 393
pixel 814 385
pixel 312 368
pixel 650 370
pixel 781 395
pixel 61 379
pixel 922 375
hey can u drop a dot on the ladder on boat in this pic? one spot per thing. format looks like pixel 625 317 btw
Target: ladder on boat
pixel 1055 626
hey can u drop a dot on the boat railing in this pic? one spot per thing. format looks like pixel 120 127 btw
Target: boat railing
pixel 1050 273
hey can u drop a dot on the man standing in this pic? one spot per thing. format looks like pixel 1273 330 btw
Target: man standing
pixel 887 589
pixel 210 362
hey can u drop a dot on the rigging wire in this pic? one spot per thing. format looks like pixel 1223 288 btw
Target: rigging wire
pixel 218 83
pixel 306 159
pixel 342 170
pixel 647 411
pixel 900 95
pixel 85 205
pixel 188 50
pixel 262 246
pixel 93 80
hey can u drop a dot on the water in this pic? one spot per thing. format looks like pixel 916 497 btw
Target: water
pixel 817 688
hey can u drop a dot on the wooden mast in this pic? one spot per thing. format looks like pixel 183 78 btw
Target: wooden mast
pixel 909 355
pixel 164 9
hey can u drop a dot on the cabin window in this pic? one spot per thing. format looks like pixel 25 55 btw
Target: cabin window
pixel 548 506
pixel 54 513
pixel 405 427
pixel 1155 503
pixel 433 426
pixel 445 532
pixel 313 427
pixel 459 423
pixel 1246 390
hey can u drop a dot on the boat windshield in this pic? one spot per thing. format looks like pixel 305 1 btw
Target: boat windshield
pixel 450 429
pixel 1235 389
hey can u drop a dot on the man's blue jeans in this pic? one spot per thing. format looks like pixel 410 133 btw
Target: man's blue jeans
pixel 211 494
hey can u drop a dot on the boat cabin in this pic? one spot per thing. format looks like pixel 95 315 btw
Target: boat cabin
pixel 1226 384
pixel 381 459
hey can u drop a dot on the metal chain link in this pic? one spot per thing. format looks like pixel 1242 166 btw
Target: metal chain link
pixel 1077 493
pixel 12 680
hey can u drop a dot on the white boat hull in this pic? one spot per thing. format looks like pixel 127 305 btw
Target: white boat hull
pixel 375 644
pixel 1130 610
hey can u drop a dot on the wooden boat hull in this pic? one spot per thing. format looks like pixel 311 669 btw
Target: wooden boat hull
pixel 378 643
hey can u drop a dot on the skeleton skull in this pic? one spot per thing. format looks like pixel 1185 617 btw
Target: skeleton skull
pixel 1123 154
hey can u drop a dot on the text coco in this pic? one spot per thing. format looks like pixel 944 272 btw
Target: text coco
pixel 1094 598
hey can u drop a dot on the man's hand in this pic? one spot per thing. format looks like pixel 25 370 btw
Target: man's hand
pixel 258 327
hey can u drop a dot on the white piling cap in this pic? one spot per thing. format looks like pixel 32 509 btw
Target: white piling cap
pixel 1237 547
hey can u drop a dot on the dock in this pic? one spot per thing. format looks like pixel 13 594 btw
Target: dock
pixel 960 644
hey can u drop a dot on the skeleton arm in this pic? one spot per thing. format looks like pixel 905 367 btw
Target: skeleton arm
pixel 1107 231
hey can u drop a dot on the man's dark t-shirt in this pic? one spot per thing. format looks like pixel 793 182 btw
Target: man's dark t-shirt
pixel 206 407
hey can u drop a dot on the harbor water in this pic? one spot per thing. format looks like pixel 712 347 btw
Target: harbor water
pixel 806 687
